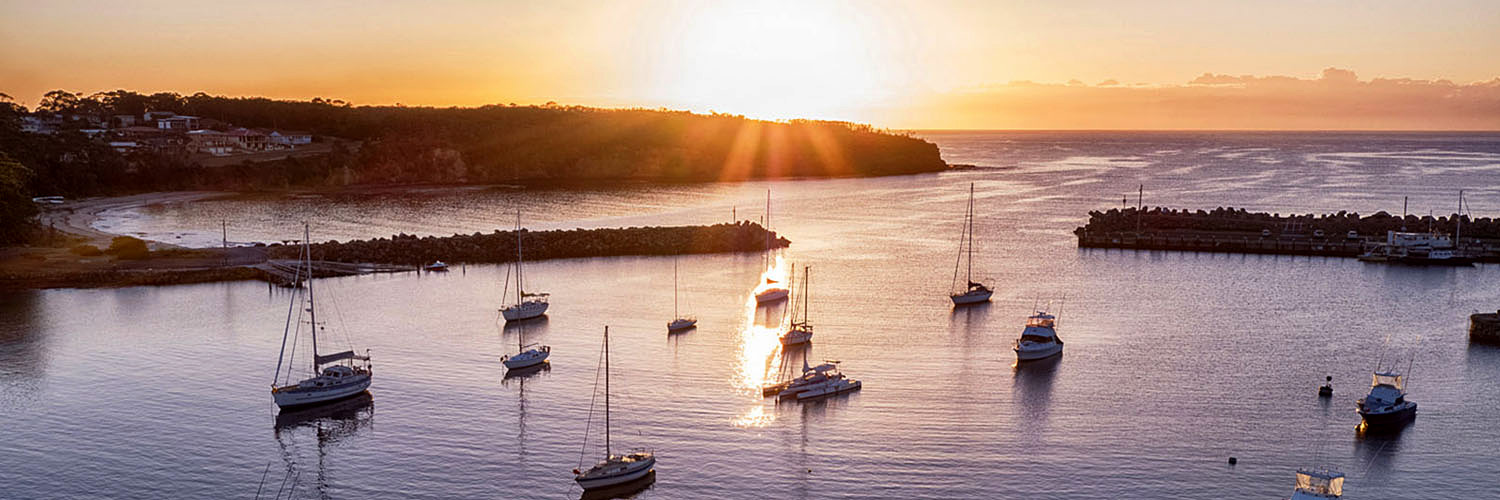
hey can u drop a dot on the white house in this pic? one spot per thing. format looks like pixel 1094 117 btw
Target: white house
pixel 180 123
pixel 289 138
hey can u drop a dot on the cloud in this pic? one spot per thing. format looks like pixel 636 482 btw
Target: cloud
pixel 1337 99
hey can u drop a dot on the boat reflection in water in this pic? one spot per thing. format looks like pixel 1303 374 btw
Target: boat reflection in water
pixel 519 377
pixel 626 490
pixel 330 424
pixel 1031 390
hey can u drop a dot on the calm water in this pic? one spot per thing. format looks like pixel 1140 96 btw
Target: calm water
pixel 1174 361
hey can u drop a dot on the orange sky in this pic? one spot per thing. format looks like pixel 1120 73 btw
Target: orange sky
pixel 940 64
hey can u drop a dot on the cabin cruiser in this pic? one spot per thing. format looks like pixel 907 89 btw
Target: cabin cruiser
pixel 437 266
pixel 1039 340
pixel 830 387
pixel 1318 485
pixel 811 377
pixel 1386 405
pixel 1418 249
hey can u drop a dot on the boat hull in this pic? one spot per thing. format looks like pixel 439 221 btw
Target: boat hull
pixel 524 311
pixel 829 389
pixel 682 324
pixel 1388 420
pixel 305 398
pixel 631 472
pixel 795 338
pixel 971 297
pixel 519 362
pixel 1033 354
pixel 770 296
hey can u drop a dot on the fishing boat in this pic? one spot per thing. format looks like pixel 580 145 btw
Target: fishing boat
pixel 336 376
pixel 679 322
pixel 1039 339
pixel 770 291
pixel 1386 407
pixel 528 305
pixel 800 332
pixel 1424 249
pixel 526 358
pixel 975 292
pixel 614 470
pixel 437 267
pixel 1315 484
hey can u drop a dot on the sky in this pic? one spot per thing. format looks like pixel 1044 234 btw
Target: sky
pixel 939 64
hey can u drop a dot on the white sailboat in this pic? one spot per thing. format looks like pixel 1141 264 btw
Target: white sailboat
pixel 614 470
pixel 528 305
pixel 800 332
pixel 771 291
pixel 526 358
pixel 974 292
pixel 679 322
pixel 336 376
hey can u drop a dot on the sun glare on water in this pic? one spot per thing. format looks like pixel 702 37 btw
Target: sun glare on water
pixel 770 60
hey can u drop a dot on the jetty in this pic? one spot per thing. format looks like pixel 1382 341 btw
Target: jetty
pixel 1484 328
pixel 1229 230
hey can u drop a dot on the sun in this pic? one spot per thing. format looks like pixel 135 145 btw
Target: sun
pixel 770 60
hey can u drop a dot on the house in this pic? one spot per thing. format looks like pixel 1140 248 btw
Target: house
pixel 290 138
pixel 152 116
pixel 181 123
pixel 124 146
pixel 211 142
pixel 33 124
pixel 249 140
pixel 122 121
pixel 93 133
pixel 139 131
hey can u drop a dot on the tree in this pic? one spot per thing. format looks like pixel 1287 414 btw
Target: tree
pixel 58 101
pixel 16 208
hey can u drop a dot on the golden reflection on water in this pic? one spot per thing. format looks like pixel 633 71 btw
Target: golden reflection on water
pixel 760 344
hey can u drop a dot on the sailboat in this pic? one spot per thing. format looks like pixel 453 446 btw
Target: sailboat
pixel 528 305
pixel 614 469
pixel 338 375
pixel 679 322
pixel 800 332
pixel 975 292
pixel 526 358
pixel 771 291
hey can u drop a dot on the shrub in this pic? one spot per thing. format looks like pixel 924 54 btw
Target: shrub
pixel 87 251
pixel 126 247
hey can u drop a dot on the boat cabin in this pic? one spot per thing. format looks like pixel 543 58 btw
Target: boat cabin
pixel 1392 379
pixel 1041 320
pixel 338 371
pixel 1319 484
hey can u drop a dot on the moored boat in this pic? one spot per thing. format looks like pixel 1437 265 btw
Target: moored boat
pixel 975 292
pixel 614 470
pixel 770 291
pixel 1039 339
pixel 528 305
pixel 679 322
pixel 526 358
pixel 1386 406
pixel 800 332
pixel 337 376
pixel 1314 484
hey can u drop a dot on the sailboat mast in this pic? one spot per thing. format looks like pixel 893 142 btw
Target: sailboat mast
pixel 674 289
pixel 806 292
pixel 1458 233
pixel 311 309
pixel 607 452
pixel 768 228
pixel 970 278
pixel 519 288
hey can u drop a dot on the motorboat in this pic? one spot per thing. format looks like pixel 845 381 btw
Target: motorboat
pixel 337 376
pixel 528 305
pixel 1039 339
pixel 975 292
pixel 437 267
pixel 811 377
pixel 1386 406
pixel 831 387
pixel 1318 485
pixel 613 470
pixel 800 331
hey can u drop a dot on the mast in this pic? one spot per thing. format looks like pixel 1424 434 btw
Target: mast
pixel 970 278
pixel 674 289
pixel 607 453
pixel 311 310
pixel 768 228
pixel 1459 218
pixel 806 292
pixel 519 289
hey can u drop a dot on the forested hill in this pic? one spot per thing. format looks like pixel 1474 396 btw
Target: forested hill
pixel 512 143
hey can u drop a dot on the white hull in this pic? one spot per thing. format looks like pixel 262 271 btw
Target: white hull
pixel 971 297
pixel 632 472
pixel 1036 352
pixel 829 389
pixel 772 295
pixel 524 311
pixel 518 361
pixel 291 398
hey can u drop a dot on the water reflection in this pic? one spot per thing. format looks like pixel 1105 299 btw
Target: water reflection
pixel 519 378
pixel 1031 387
pixel 22 353
pixel 1377 451
pixel 329 425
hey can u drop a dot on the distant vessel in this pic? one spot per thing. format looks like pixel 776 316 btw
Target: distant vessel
pixel 614 469
pixel 1318 485
pixel 528 305
pixel 1430 248
pixel 526 358
pixel 332 382
pixel 438 266
pixel 679 322
pixel 771 291
pixel 1386 407
pixel 811 377
pixel 800 332
pixel 975 292
pixel 1039 340
pixel 832 386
